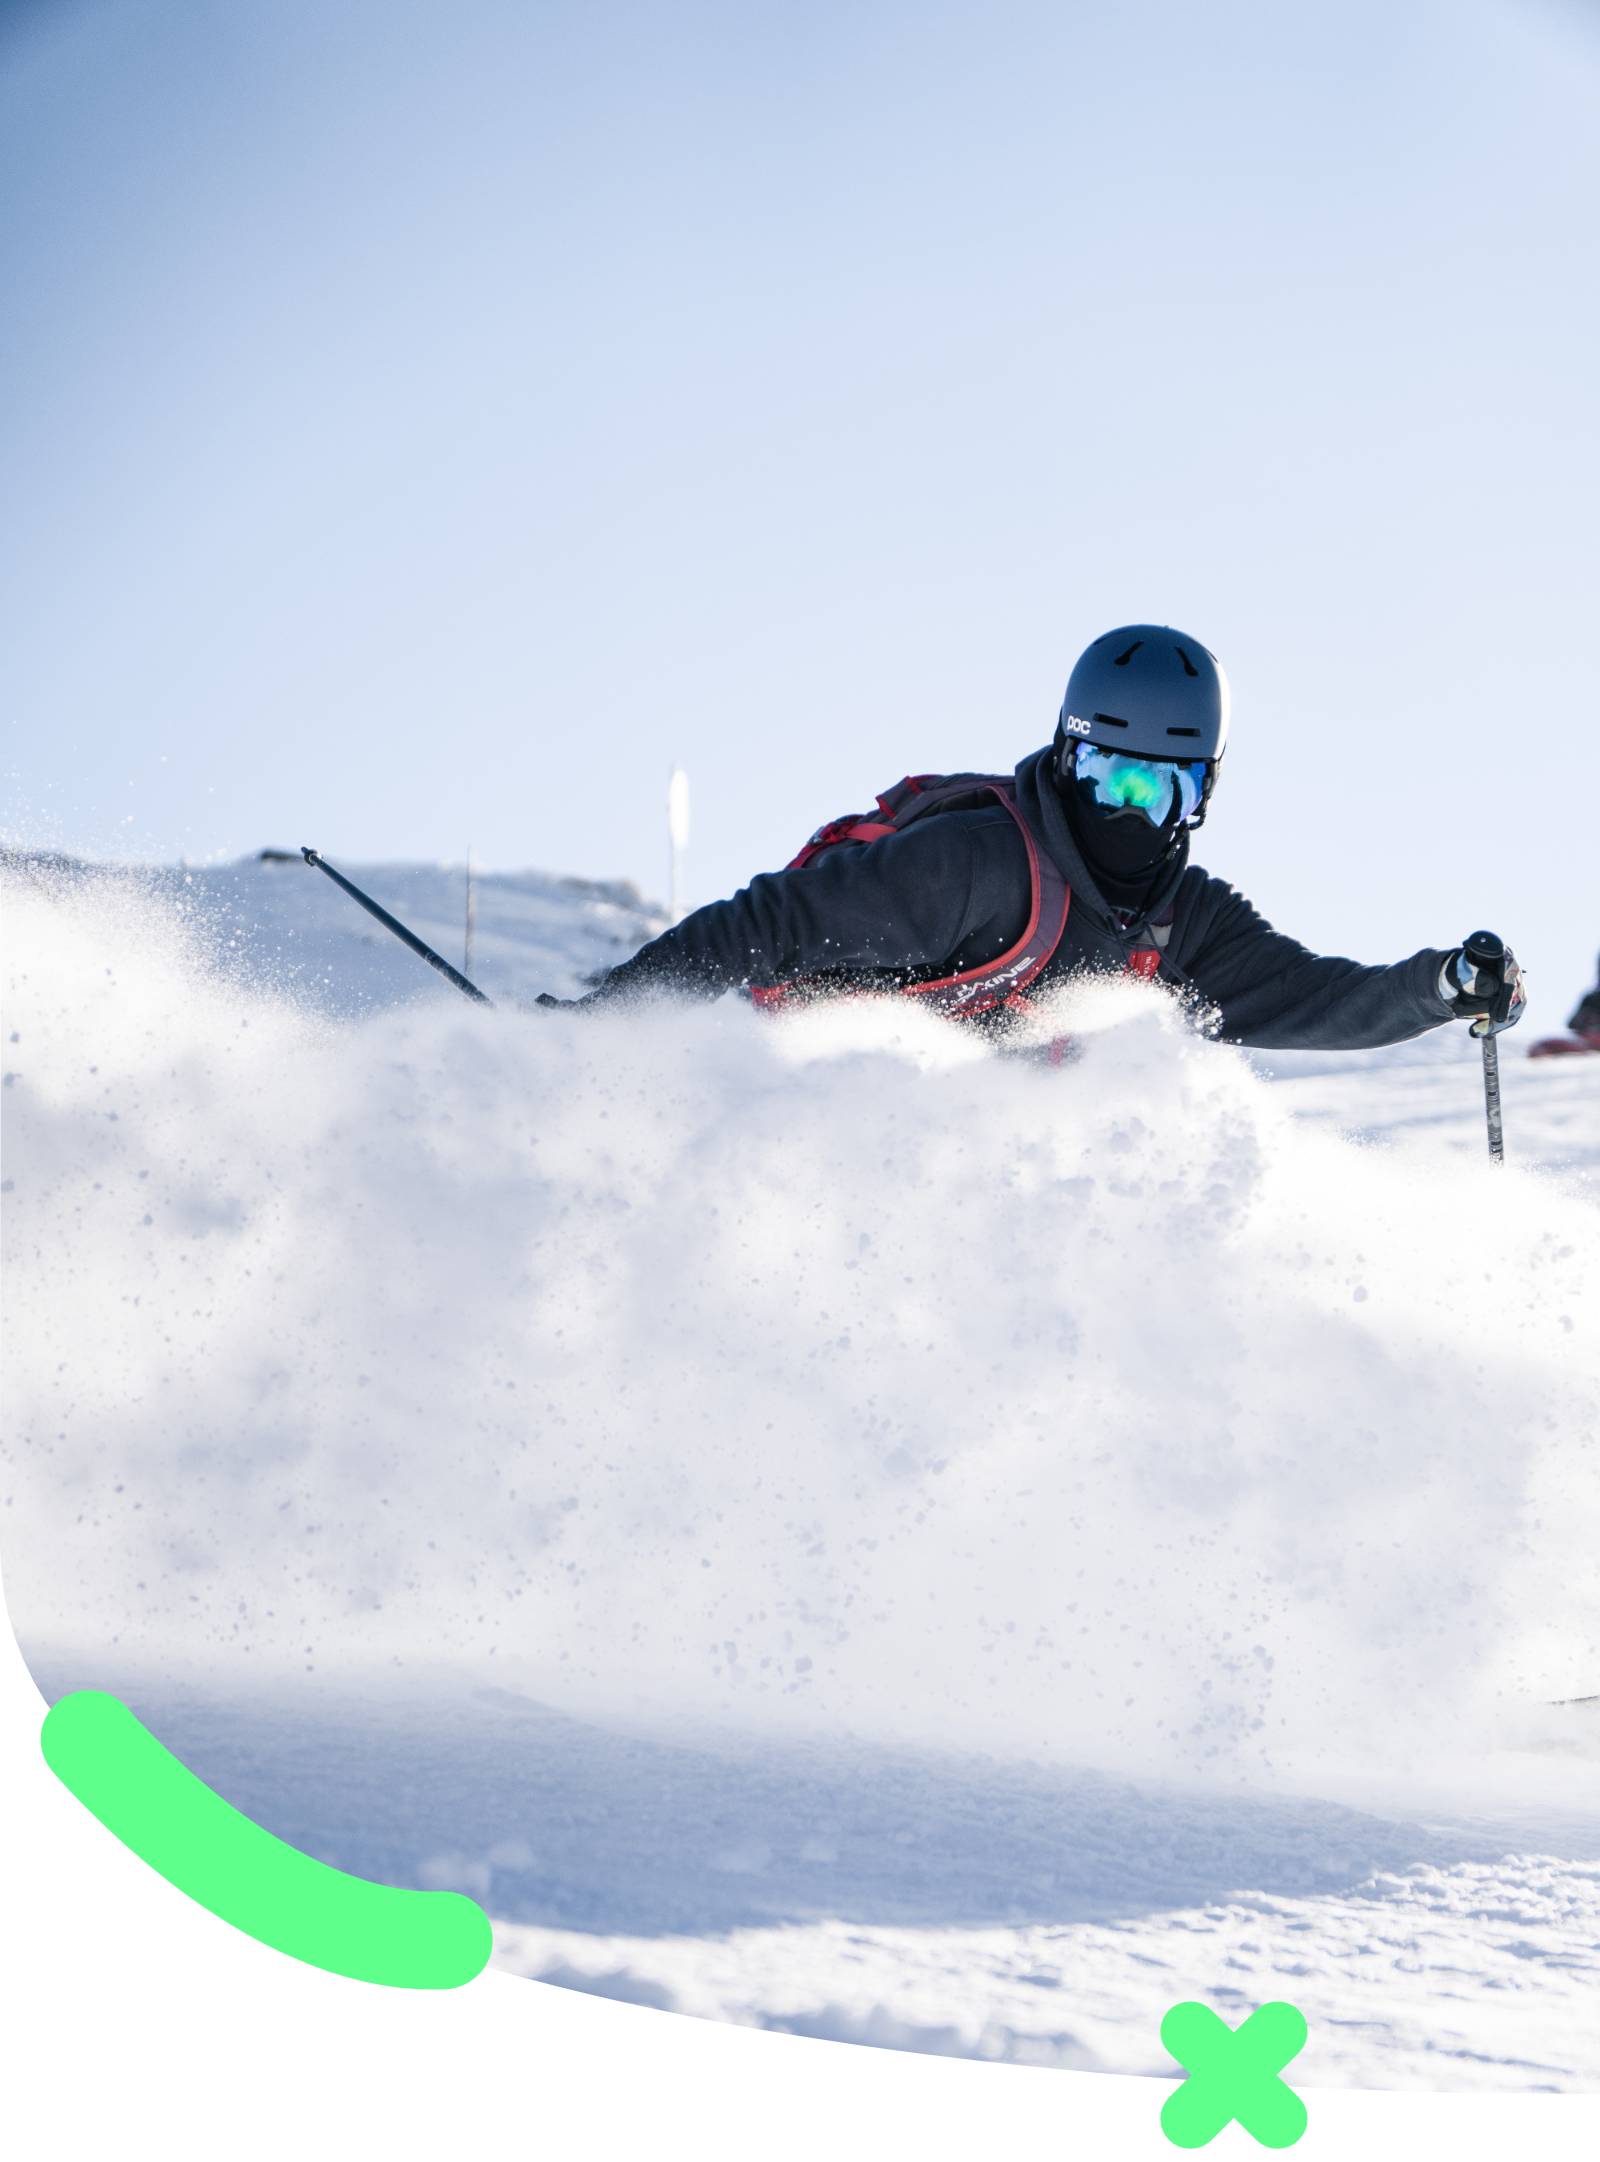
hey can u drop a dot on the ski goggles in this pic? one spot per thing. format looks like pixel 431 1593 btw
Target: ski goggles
pixel 1121 783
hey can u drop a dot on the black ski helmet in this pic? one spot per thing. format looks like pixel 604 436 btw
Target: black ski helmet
pixel 1149 692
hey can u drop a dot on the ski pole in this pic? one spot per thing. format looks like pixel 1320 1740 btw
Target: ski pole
pixel 1484 950
pixel 1491 1097
pixel 393 923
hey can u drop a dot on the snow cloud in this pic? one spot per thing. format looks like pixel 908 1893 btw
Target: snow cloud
pixel 832 1372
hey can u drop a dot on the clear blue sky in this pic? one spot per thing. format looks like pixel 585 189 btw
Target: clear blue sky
pixel 423 424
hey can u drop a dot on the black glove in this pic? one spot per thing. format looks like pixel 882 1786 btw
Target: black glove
pixel 1483 984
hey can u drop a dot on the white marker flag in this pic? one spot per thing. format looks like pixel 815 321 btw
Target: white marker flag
pixel 678 832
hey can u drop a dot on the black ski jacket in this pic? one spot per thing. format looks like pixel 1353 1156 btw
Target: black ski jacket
pixel 952 891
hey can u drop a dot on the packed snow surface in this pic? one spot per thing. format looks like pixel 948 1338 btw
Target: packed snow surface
pixel 821 1522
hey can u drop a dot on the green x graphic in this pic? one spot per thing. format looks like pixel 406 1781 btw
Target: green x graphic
pixel 1233 2072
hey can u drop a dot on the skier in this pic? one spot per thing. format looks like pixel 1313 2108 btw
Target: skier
pixel 970 891
pixel 1585 1020
pixel 1583 1024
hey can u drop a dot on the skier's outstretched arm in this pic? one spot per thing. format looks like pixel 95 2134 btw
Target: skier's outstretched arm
pixel 1275 994
pixel 1585 1016
pixel 901 903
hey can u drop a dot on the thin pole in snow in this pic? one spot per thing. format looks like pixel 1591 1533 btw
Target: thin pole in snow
pixel 678 838
pixel 472 917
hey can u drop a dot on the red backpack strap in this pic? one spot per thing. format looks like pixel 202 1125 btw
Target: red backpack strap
pixel 999 982
pixel 994 983
pixel 1145 961
pixel 897 806
pixel 852 827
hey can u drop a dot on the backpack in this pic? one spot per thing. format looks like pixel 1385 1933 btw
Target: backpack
pixel 994 984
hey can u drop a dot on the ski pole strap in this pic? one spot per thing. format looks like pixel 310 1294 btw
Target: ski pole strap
pixel 393 923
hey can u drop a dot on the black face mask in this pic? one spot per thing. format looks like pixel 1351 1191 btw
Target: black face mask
pixel 1124 851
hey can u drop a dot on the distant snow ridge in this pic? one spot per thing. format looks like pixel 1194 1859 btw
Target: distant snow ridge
pixel 275 923
pixel 834 1373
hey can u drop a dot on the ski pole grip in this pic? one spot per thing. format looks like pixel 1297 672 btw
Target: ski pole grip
pixel 1484 950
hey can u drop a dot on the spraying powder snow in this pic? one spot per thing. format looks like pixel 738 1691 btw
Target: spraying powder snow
pixel 837 1373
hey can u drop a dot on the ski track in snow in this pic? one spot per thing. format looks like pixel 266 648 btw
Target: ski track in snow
pixel 945 1716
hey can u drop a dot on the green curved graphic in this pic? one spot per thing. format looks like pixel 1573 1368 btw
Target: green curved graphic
pixel 200 1843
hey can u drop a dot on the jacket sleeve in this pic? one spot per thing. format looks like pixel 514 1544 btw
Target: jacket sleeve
pixel 1272 993
pixel 899 903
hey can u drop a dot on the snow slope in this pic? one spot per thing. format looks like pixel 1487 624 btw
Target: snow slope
pixel 816 1523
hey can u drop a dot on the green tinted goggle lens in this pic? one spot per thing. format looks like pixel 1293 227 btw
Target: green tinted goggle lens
pixel 1142 784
